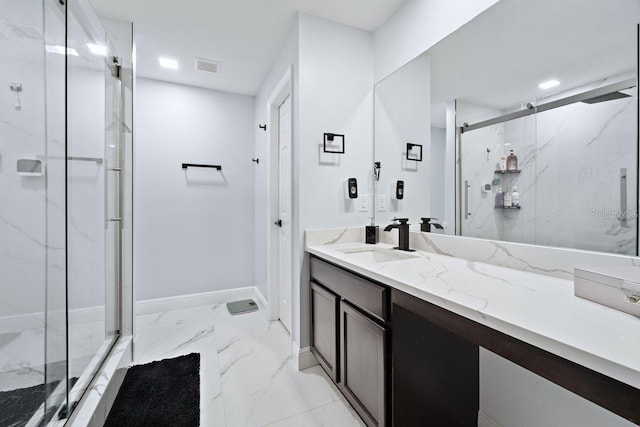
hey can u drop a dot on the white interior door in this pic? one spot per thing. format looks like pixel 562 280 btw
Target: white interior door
pixel 284 212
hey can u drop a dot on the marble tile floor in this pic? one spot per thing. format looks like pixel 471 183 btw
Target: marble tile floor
pixel 248 377
pixel 22 357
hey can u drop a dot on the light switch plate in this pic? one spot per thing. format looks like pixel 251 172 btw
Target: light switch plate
pixel 363 203
pixel 382 203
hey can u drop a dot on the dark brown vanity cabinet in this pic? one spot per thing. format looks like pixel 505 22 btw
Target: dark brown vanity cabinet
pixel 349 316
pixel 435 371
pixel 324 307
pixel 363 364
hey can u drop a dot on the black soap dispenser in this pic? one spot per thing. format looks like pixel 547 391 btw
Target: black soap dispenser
pixel 372 233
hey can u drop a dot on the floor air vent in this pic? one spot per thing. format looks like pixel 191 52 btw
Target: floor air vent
pixel 242 306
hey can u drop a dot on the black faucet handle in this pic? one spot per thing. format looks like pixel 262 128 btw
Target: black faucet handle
pixel 401 220
pixel 429 220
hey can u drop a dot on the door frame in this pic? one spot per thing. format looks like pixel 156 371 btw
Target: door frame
pixel 281 91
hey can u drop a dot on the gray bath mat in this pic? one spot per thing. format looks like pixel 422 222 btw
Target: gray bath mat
pixel 243 306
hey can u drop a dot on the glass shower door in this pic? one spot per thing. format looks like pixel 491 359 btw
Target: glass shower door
pixel 483 215
pixel 93 159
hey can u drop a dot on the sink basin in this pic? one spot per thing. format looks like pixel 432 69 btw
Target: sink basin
pixel 376 255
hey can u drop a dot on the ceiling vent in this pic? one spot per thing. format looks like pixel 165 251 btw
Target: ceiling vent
pixel 208 65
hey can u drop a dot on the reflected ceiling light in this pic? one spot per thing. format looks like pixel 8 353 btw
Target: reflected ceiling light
pixel 60 50
pixel 548 84
pixel 97 49
pixel 168 63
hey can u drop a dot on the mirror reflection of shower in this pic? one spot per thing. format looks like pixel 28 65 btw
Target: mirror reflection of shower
pixel 16 88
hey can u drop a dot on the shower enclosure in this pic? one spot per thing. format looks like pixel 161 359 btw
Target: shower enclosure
pixel 577 169
pixel 61 163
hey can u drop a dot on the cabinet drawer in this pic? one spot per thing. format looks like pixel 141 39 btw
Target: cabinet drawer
pixel 362 293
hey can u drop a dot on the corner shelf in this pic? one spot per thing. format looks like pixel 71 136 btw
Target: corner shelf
pixel 508 207
pixel 506 172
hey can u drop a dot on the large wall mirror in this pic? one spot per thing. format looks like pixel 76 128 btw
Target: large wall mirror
pixel 553 83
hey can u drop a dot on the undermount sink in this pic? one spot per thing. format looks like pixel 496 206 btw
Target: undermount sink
pixel 376 255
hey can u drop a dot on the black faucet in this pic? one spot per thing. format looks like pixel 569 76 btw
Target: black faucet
pixel 403 233
pixel 427 223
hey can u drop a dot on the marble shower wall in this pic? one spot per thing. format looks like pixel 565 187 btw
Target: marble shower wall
pixel 581 149
pixel 31 203
pixel 570 160
pixel 22 136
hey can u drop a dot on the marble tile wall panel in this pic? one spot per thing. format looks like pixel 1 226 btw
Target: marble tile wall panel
pixel 581 149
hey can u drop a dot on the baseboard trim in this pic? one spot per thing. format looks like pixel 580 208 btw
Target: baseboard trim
pixel 485 420
pixel 303 357
pixel 194 300
pixel 262 301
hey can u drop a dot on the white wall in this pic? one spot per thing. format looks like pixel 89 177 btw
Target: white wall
pixel 194 229
pixel 287 59
pixel 335 95
pixel 512 396
pixel 403 115
pixel 416 26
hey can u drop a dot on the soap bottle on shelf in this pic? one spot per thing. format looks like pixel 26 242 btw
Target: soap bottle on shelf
pixel 512 162
pixel 507 199
pixel 499 198
pixel 503 163
pixel 515 198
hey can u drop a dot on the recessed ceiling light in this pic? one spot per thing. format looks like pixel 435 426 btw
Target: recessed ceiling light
pixel 60 50
pixel 548 84
pixel 97 49
pixel 168 63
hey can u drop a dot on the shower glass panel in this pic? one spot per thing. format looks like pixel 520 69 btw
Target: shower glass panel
pixel 23 212
pixel 92 232
pixel 576 176
pixel 59 256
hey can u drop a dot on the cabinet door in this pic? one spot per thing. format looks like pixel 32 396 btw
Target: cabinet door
pixel 362 364
pixel 324 329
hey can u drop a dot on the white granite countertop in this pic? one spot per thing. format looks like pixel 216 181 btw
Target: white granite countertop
pixel 538 309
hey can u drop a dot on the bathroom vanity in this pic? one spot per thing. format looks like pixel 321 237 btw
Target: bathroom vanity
pixel 400 333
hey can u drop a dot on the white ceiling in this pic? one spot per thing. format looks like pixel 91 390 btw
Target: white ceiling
pixel 499 58
pixel 244 35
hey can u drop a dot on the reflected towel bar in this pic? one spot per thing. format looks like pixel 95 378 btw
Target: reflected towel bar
pixel 98 160
pixel 197 165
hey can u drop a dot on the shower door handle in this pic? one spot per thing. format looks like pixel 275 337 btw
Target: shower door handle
pixel 467 214
pixel 115 219
pixel 623 197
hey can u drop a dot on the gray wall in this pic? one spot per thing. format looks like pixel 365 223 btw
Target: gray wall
pixel 194 229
